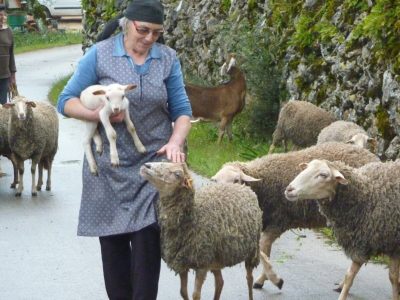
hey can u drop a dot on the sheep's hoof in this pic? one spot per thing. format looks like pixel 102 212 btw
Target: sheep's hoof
pixel 48 188
pixel 38 188
pixel 339 290
pixel 257 286
pixel 280 284
pixel 18 194
pixel 13 185
pixel 99 151
pixel 94 173
pixel 141 150
pixel 34 194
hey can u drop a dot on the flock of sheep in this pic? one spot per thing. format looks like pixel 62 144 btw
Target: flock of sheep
pixel 344 185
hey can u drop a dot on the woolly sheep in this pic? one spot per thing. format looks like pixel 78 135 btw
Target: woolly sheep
pixel 215 227
pixel 32 134
pixel 4 146
pixel 299 122
pixel 363 207
pixel 269 175
pixel 347 132
pixel 113 99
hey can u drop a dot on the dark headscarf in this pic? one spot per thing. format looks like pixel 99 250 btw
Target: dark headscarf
pixel 151 11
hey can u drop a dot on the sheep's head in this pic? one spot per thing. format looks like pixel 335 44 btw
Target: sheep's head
pixel 20 105
pixel 232 174
pixel 318 180
pixel 167 177
pixel 363 141
pixel 114 95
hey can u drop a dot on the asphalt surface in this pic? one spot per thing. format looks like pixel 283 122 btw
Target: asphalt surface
pixel 41 257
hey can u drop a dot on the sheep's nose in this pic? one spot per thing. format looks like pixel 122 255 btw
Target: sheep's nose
pixel 116 110
pixel 289 189
pixel 147 165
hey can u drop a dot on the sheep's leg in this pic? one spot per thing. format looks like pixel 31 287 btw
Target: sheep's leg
pixel 98 142
pixel 91 127
pixel 184 283
pixel 15 169
pixel 20 188
pixel 40 179
pixel 132 130
pixel 48 182
pixel 198 283
pixel 266 240
pixel 33 173
pixel 219 283
pixel 394 268
pixel 249 277
pixel 222 127
pixel 111 136
pixel 349 278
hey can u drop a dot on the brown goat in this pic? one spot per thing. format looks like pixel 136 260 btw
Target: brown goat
pixel 220 103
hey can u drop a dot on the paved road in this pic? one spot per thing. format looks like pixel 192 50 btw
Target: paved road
pixel 41 257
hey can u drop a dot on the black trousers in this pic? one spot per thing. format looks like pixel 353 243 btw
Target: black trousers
pixel 131 264
pixel 3 90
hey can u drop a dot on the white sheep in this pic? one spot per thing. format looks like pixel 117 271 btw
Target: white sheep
pixel 113 99
pixel 363 208
pixel 208 229
pixel 347 132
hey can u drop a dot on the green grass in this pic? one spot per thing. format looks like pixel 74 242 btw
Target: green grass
pixel 57 88
pixel 24 41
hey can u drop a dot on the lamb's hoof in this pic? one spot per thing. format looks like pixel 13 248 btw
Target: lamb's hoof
pixel 280 284
pixel 257 285
pixel 34 194
pixel 339 290
pixel 13 185
pixel 115 165
pixel 99 151
pixel 48 188
pixel 142 150
pixel 18 194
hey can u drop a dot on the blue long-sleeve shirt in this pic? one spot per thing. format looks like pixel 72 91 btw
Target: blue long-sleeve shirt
pixel 85 75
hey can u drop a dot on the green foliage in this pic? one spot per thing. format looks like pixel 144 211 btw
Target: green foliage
pixel 57 88
pixel 383 124
pixel 225 6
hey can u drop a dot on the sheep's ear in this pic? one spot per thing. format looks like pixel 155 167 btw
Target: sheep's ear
pixel 350 142
pixel 99 92
pixel 303 166
pixel 8 105
pixel 130 87
pixel 247 178
pixel 31 103
pixel 340 178
pixel 188 183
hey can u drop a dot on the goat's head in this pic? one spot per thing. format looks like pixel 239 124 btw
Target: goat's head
pixel 20 105
pixel 228 65
pixel 114 95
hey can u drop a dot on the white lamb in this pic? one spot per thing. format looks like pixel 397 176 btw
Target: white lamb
pixel 114 101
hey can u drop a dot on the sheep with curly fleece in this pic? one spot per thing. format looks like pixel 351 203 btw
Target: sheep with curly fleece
pixel 347 132
pixel 32 134
pixel 269 175
pixel 299 122
pixel 214 227
pixel 363 207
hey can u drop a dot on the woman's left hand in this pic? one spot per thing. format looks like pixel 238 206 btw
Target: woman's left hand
pixel 173 153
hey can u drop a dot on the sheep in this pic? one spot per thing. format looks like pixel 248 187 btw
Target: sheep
pixel 220 103
pixel 363 208
pixel 4 146
pixel 32 134
pixel 347 132
pixel 269 175
pixel 300 122
pixel 215 227
pixel 113 99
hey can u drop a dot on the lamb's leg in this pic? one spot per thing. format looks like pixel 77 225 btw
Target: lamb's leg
pixel 266 240
pixel 48 182
pixel 394 268
pixel 349 278
pixel 249 277
pixel 35 162
pixel 221 130
pixel 269 272
pixel 98 142
pixel 184 283
pixel 40 179
pixel 219 283
pixel 20 188
pixel 132 130
pixel 198 283
pixel 91 127
pixel 111 136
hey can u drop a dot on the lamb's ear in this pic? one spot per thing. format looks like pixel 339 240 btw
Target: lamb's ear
pixel 303 166
pixel 8 105
pixel 31 103
pixel 130 87
pixel 99 92
pixel 247 178
pixel 339 177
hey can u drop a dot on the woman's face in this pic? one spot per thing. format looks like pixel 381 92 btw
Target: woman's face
pixel 143 35
pixel 3 18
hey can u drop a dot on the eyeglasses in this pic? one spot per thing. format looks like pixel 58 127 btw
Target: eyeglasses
pixel 146 31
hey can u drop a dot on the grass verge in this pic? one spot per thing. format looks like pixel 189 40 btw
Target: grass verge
pixel 57 88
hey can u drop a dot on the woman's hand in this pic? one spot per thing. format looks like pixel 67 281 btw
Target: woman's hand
pixel 118 117
pixel 173 152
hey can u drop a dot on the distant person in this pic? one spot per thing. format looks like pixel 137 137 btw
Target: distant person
pixel 7 61
pixel 118 206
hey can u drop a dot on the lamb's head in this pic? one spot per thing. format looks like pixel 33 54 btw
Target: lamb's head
pixel 232 174
pixel 114 95
pixel 318 180
pixel 21 105
pixel 167 177
pixel 363 141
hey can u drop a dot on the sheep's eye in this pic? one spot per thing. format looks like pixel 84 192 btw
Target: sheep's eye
pixel 236 180
pixel 108 98
pixel 177 175
pixel 323 175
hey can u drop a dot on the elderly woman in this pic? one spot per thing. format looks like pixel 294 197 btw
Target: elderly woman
pixel 118 205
